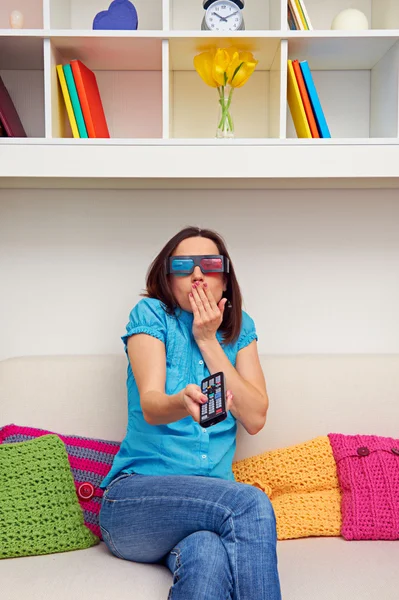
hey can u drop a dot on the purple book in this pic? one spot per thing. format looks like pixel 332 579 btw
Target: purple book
pixel 8 115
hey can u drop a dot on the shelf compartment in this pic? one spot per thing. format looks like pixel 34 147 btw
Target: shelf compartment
pixel 130 83
pixel 256 107
pixel 31 9
pixel 359 95
pixel 22 70
pixel 75 14
pixel 381 14
pixel 258 15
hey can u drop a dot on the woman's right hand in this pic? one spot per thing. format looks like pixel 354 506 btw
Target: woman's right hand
pixel 192 398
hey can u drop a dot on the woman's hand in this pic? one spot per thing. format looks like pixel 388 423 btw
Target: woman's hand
pixel 208 315
pixel 192 398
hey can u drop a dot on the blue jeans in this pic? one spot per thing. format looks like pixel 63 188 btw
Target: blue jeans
pixel 218 538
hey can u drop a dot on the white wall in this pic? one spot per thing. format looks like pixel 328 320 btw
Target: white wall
pixel 319 270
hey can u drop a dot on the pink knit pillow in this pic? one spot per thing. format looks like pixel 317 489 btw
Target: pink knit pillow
pixel 90 460
pixel 368 474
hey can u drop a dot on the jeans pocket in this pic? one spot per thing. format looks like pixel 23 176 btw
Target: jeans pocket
pixel 109 543
pixel 114 481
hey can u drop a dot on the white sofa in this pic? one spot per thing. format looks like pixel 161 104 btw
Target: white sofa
pixel 309 396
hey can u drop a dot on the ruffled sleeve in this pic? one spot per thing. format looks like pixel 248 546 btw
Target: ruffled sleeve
pixel 248 331
pixel 146 317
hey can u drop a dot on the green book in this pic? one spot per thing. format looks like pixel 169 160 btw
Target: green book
pixel 75 101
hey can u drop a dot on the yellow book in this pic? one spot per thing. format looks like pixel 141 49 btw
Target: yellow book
pixel 296 105
pixel 306 15
pixel 296 14
pixel 299 7
pixel 68 104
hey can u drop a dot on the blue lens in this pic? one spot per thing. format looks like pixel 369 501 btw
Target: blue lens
pixel 182 265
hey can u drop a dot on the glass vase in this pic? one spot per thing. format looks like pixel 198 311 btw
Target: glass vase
pixel 225 126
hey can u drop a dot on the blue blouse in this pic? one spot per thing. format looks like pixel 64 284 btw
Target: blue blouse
pixel 182 447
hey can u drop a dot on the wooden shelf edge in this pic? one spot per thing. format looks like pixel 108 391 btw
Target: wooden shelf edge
pixel 197 183
pixel 276 163
pixel 176 33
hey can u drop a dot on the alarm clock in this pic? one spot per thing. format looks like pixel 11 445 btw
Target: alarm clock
pixel 223 15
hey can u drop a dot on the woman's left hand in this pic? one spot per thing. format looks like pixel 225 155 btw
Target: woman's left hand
pixel 208 315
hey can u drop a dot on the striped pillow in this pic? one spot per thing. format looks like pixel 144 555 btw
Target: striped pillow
pixel 90 460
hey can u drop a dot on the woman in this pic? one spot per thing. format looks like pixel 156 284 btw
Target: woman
pixel 171 497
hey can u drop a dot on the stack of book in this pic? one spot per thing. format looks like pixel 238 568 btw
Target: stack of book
pixel 303 100
pixel 82 100
pixel 10 123
pixel 298 17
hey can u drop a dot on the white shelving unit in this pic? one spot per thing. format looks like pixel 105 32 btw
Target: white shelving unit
pixel 161 115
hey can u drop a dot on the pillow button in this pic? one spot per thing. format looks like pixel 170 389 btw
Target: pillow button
pixel 395 451
pixel 85 491
pixel 363 451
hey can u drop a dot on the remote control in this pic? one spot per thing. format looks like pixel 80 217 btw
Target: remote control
pixel 214 410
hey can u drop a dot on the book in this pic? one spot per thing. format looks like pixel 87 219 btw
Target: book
pixel 77 109
pixel 290 18
pixel 302 14
pixel 9 116
pixel 67 100
pixel 305 99
pixel 90 100
pixel 296 105
pixel 314 100
pixel 305 14
pixel 296 15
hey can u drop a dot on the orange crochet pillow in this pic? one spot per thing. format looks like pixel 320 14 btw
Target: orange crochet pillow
pixel 302 484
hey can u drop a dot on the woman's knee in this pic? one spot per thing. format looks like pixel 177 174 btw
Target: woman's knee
pixel 206 545
pixel 253 500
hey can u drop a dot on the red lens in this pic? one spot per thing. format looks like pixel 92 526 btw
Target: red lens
pixel 212 264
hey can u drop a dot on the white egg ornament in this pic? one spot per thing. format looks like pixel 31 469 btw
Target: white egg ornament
pixel 350 18
pixel 16 19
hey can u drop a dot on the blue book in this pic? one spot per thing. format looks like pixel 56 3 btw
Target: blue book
pixel 75 101
pixel 314 100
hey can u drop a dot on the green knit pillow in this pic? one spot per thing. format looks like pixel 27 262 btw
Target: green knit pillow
pixel 39 508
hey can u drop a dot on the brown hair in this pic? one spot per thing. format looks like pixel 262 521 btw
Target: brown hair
pixel 157 283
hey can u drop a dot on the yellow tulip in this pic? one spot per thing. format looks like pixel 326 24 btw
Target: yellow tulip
pixel 221 62
pixel 243 70
pixel 224 66
pixel 234 64
pixel 203 64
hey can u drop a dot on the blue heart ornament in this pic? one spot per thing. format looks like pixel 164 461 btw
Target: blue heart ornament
pixel 121 14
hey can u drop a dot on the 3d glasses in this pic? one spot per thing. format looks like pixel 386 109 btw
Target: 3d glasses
pixel 210 263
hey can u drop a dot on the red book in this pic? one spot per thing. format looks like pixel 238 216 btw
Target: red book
pixel 305 99
pixel 8 114
pixel 90 100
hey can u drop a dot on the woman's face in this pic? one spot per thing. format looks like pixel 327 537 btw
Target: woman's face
pixel 182 284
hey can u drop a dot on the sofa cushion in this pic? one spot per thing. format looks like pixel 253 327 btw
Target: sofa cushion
pixel 40 512
pixel 368 474
pixel 90 460
pixel 310 569
pixel 302 484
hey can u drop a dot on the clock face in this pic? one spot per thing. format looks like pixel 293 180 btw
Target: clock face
pixel 223 15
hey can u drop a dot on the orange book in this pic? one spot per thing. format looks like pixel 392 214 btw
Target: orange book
pixel 305 99
pixel 90 100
